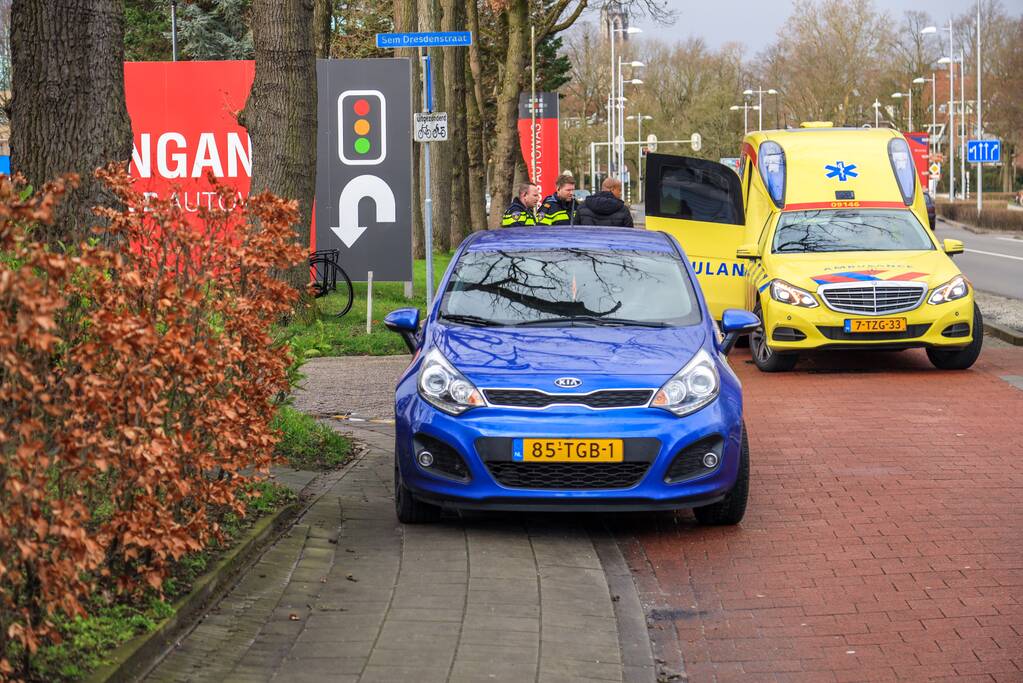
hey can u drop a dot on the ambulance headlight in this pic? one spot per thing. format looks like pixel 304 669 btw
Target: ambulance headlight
pixel 792 295
pixel 955 288
pixel 772 171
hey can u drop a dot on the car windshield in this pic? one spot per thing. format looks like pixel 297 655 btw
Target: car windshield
pixel 570 287
pixel 802 232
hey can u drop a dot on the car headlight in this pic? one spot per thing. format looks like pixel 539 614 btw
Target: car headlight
pixel 444 387
pixel 956 288
pixel 695 385
pixel 790 294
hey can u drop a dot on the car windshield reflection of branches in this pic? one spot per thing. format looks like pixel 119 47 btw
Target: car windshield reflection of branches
pixel 517 287
pixel 849 230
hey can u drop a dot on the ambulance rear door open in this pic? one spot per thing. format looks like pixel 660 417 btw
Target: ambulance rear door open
pixel 699 202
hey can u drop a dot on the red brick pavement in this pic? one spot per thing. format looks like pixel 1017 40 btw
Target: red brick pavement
pixel 884 536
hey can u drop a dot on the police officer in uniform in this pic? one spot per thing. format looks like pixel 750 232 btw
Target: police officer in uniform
pixel 559 208
pixel 522 210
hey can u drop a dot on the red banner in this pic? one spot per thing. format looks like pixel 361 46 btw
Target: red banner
pixel 919 148
pixel 184 123
pixel 547 141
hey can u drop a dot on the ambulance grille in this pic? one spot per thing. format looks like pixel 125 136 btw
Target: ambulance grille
pixel 873 298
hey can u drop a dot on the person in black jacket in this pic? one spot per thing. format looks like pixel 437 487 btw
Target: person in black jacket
pixel 605 207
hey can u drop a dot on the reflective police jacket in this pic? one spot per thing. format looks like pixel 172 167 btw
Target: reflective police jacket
pixel 517 214
pixel 553 211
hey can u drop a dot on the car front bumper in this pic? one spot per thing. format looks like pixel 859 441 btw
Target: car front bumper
pixel 481 437
pixel 927 326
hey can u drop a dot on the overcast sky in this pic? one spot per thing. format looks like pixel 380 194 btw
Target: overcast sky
pixel 756 23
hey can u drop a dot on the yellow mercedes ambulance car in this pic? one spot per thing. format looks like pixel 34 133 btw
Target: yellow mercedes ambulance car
pixel 823 234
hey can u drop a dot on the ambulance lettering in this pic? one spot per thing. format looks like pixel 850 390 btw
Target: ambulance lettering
pixel 708 268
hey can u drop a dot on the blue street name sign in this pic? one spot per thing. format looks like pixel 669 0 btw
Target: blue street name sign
pixel 983 151
pixel 436 39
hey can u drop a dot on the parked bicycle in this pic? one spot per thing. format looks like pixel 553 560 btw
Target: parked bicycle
pixel 326 271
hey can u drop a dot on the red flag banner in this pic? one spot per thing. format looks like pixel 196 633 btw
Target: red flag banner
pixel 919 148
pixel 184 124
pixel 547 142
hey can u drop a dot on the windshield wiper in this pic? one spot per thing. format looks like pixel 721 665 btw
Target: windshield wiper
pixel 472 320
pixel 595 320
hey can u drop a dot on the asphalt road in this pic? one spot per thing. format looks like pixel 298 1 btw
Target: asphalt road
pixel 993 262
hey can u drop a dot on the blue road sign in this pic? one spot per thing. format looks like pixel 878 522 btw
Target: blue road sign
pixel 434 39
pixel 983 151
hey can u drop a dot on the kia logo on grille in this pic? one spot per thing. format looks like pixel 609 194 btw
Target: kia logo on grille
pixel 567 382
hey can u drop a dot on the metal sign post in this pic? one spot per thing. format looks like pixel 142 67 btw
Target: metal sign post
pixel 428 204
pixel 425 41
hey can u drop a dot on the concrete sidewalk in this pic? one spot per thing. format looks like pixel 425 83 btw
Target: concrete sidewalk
pixel 352 595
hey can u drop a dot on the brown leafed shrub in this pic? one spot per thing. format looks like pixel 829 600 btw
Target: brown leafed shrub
pixel 137 382
pixel 997 217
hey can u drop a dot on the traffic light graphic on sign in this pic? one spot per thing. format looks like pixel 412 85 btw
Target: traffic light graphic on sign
pixel 362 121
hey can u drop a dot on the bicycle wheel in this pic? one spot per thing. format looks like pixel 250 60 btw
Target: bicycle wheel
pixel 323 276
pixel 344 287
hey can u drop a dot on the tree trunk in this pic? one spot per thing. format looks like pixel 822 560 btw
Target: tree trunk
pixel 405 22
pixel 458 154
pixel 280 113
pixel 476 175
pixel 507 110
pixel 68 113
pixel 475 124
pixel 441 153
pixel 323 17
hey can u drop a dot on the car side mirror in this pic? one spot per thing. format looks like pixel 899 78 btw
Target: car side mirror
pixel 748 251
pixel 736 322
pixel 952 247
pixel 405 321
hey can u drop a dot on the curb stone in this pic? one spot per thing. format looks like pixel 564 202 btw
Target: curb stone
pixel 633 638
pixel 1007 334
pixel 136 656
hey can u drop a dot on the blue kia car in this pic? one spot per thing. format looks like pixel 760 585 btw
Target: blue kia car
pixel 570 369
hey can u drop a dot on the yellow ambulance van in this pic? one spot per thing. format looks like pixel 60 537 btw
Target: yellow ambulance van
pixel 823 235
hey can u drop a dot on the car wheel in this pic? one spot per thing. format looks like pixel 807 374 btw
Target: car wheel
pixel 730 510
pixel 763 356
pixel 408 509
pixel 961 359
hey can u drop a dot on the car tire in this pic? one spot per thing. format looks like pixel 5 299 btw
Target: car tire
pixel 764 358
pixel 409 509
pixel 961 359
pixel 732 508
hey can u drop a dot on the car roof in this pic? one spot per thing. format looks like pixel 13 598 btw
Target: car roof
pixel 578 237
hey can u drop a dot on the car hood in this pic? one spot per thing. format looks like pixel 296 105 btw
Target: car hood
pixel 809 271
pixel 602 357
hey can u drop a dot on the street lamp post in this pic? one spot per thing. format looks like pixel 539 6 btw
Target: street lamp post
pixel 745 106
pixel 640 118
pixel 932 142
pixel 614 129
pixel 951 127
pixel 620 111
pixel 951 105
pixel 962 134
pixel 877 113
pixel 980 130
pixel 760 103
pixel 174 30
pixel 899 96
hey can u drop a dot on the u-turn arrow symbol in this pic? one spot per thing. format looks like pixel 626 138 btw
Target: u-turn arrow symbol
pixel 361 186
